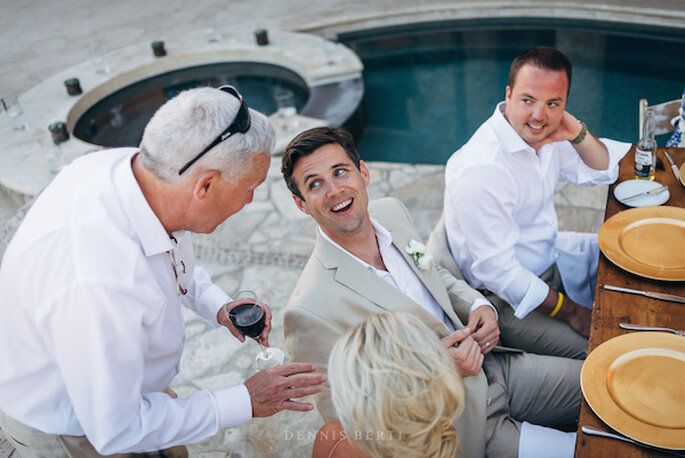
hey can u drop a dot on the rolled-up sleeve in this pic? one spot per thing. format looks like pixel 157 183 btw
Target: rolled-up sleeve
pixel 573 169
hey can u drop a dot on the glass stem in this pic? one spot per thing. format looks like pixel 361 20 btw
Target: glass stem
pixel 261 347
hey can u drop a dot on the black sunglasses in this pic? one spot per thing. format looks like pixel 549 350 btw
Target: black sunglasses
pixel 240 124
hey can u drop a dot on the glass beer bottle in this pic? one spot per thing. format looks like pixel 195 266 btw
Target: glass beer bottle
pixel 645 151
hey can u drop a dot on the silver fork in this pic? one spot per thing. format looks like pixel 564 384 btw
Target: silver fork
pixel 637 327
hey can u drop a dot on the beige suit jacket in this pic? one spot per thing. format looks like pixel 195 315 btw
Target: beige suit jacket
pixel 335 292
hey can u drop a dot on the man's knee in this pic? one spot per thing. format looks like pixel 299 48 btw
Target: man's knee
pixel 503 435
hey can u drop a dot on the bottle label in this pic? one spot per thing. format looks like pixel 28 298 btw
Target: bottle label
pixel 643 162
pixel 643 157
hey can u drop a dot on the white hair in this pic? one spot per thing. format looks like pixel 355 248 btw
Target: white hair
pixel 187 123
pixel 395 388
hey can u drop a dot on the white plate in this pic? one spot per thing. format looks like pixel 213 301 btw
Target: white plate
pixel 631 187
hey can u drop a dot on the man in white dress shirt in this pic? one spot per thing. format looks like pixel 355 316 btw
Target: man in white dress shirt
pixel 93 281
pixel 499 212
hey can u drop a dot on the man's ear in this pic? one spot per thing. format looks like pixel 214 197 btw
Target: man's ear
pixel 366 176
pixel 301 204
pixel 507 93
pixel 205 183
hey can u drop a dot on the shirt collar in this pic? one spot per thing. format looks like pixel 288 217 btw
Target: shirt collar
pixel 153 237
pixel 383 238
pixel 511 140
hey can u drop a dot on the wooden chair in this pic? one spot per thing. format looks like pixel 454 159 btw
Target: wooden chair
pixel 663 113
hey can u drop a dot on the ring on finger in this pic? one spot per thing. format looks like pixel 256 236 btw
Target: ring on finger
pixel 487 344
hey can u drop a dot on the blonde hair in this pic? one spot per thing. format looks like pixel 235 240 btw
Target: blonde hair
pixel 395 388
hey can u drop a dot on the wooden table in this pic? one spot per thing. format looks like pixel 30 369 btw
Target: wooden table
pixel 610 308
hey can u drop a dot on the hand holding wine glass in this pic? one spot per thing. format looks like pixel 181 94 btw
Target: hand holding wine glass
pixel 235 307
pixel 252 318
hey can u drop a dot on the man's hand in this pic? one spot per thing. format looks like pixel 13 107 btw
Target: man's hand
pixel 467 356
pixel 591 151
pixel 224 320
pixel 484 328
pixel 577 316
pixel 568 129
pixel 272 390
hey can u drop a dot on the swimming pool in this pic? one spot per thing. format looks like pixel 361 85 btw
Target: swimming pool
pixel 429 86
pixel 120 118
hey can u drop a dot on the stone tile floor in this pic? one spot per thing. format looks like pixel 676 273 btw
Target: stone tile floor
pixel 264 248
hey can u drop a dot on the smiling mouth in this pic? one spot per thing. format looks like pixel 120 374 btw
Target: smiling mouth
pixel 536 127
pixel 342 206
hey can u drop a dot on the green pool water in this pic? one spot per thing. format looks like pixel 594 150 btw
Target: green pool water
pixel 429 87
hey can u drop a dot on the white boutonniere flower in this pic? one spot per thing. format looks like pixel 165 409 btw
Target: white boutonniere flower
pixel 417 250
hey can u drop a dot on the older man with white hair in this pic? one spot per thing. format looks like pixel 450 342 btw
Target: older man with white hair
pixel 92 284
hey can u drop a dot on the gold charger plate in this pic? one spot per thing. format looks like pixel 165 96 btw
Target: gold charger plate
pixel 682 174
pixel 647 241
pixel 634 383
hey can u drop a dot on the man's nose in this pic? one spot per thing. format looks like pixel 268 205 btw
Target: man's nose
pixel 539 111
pixel 332 189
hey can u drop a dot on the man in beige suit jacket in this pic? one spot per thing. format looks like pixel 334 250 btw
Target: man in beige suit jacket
pixel 353 273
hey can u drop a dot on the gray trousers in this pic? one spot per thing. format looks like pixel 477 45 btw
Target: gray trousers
pixel 536 332
pixel 539 389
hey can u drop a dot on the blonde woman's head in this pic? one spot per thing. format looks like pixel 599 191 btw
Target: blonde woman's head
pixel 395 388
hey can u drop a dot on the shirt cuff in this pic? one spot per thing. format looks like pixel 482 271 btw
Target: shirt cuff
pixel 211 300
pixel 535 295
pixel 480 301
pixel 616 150
pixel 233 406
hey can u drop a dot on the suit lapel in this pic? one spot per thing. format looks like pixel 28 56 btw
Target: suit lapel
pixel 364 282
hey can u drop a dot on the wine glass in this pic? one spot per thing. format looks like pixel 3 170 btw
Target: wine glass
pixel 55 158
pixel 53 154
pixel 15 112
pixel 250 319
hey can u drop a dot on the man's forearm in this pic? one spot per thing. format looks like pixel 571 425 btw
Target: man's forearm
pixel 563 308
pixel 593 152
pixel 550 302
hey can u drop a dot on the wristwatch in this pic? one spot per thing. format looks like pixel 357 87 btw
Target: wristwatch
pixel 581 135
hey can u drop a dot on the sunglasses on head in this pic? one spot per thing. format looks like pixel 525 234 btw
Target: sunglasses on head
pixel 240 124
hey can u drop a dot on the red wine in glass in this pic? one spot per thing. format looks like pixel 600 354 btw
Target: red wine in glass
pixel 249 319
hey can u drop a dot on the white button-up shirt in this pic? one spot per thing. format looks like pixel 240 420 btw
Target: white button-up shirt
pixel 499 210
pixel 91 330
